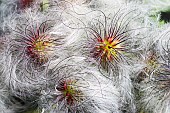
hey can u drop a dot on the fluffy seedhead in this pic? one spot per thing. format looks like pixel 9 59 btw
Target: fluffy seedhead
pixel 156 93
pixel 34 44
pixel 109 40
pixel 150 64
pixel 75 88
pixel 39 45
pixel 69 92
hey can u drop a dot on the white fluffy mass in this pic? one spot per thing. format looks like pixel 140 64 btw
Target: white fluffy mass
pixel 84 56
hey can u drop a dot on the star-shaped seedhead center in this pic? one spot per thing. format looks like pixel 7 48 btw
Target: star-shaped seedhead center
pixel 69 92
pixel 152 63
pixel 108 49
pixel 40 48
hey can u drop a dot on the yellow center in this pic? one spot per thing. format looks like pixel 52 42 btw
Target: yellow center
pixel 42 47
pixel 39 46
pixel 69 88
pixel 109 48
pixel 153 64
